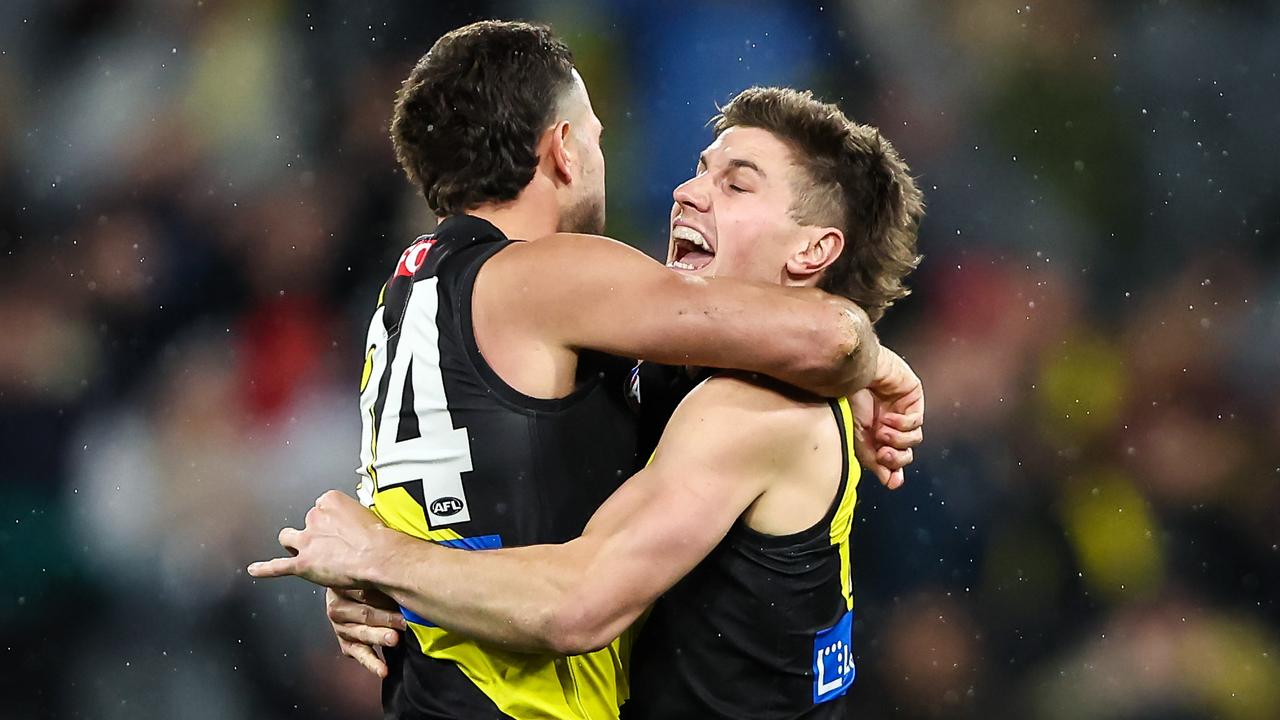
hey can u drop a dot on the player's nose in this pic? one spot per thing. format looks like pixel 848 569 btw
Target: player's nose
pixel 692 194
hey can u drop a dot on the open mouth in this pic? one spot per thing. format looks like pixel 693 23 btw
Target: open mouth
pixel 692 251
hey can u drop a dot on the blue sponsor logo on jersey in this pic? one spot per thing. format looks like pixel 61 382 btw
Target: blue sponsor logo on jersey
pixel 833 668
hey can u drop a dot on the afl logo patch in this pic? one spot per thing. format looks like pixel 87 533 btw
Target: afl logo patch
pixel 446 506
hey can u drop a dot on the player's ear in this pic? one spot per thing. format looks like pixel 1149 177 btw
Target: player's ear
pixel 559 153
pixel 822 247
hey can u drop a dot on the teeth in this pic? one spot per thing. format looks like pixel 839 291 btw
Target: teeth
pixel 688 234
pixel 680 265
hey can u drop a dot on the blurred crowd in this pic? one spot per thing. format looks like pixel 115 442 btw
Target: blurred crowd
pixel 198 203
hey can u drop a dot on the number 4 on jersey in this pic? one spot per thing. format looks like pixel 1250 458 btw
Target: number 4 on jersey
pixel 408 433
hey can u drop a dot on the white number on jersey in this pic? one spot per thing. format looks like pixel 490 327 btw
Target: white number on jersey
pixel 438 453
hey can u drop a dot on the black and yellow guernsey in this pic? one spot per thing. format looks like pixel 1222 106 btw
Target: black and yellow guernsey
pixel 761 628
pixel 452 454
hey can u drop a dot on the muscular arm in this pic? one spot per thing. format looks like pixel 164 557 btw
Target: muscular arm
pixel 585 291
pixel 728 443
pixel 722 449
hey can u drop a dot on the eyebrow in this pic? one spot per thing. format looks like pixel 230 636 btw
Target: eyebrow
pixel 702 160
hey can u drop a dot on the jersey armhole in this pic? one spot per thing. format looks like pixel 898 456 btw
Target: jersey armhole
pixel 822 526
pixel 464 290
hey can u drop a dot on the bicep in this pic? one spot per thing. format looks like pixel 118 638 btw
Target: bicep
pixel 655 529
pixel 663 521
pixel 590 292
pixel 577 291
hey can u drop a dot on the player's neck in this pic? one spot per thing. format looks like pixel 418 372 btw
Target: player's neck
pixel 790 280
pixel 520 219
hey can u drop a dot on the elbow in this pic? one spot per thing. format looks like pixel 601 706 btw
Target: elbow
pixel 845 348
pixel 576 628
pixel 865 358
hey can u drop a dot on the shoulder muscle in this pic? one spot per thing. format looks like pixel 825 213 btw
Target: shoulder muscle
pixel 739 425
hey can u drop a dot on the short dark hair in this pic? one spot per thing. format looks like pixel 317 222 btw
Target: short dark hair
pixel 468 118
pixel 853 179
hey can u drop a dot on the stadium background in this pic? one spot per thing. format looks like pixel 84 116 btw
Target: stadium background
pixel 198 203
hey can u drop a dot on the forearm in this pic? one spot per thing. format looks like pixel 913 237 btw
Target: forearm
pixel 623 303
pixel 493 596
pixel 803 337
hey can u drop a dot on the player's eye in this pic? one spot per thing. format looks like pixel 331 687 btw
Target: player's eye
pixel 737 189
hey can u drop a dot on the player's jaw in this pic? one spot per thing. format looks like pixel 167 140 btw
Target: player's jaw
pixel 583 207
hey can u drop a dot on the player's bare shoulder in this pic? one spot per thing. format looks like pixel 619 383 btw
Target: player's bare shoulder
pixel 572 245
pixel 774 401
pixel 528 275
pixel 758 413
pixel 791 441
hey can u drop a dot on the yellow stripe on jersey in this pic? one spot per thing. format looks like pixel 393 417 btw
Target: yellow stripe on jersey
pixel 373 451
pixel 842 523
pixel 522 685
pixel 367 371
pixel 525 686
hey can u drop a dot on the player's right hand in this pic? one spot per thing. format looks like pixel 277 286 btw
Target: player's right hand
pixel 364 620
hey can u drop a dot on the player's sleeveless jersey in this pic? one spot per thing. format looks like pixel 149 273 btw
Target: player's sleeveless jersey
pixel 761 628
pixel 452 454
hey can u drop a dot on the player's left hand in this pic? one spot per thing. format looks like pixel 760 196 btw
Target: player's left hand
pixel 338 543
pixel 364 620
pixel 889 415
